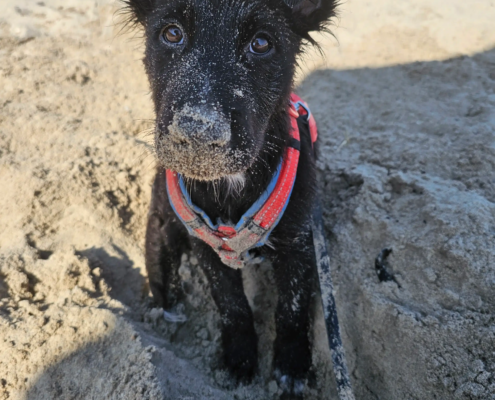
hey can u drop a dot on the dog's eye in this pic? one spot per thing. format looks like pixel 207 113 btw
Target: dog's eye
pixel 260 45
pixel 172 34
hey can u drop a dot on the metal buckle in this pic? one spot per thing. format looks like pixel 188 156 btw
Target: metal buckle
pixel 298 104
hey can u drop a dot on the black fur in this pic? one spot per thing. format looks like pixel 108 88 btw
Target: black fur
pixel 213 75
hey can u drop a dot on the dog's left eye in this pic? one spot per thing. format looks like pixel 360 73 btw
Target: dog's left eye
pixel 260 45
pixel 172 34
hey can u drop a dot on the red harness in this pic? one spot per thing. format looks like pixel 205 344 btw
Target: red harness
pixel 233 243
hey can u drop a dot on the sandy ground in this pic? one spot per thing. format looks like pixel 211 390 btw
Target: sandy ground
pixel 405 103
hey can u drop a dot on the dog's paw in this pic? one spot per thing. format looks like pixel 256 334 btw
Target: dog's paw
pixel 291 366
pixel 292 388
pixel 241 357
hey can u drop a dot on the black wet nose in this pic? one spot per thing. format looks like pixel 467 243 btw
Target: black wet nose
pixel 200 125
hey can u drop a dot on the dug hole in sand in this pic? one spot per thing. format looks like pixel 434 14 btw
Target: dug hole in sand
pixel 405 105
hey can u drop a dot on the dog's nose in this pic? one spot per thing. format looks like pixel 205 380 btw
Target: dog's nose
pixel 200 125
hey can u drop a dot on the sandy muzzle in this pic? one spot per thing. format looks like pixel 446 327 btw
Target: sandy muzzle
pixel 197 143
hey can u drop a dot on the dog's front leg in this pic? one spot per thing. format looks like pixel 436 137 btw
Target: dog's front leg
pixel 239 340
pixel 295 274
pixel 165 242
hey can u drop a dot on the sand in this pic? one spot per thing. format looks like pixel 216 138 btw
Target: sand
pixel 405 103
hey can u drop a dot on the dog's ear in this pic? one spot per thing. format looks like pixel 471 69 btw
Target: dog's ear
pixel 137 10
pixel 311 15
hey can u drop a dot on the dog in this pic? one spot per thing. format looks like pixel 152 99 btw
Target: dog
pixel 221 74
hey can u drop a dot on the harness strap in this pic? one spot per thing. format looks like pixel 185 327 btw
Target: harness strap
pixel 233 243
pixel 302 109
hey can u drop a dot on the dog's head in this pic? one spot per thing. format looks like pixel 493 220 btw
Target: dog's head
pixel 219 70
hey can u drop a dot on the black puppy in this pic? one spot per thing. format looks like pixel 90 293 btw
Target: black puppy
pixel 221 73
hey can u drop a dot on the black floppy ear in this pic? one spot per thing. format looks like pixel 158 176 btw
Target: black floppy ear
pixel 311 15
pixel 137 10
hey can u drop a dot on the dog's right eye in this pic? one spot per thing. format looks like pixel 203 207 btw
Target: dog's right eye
pixel 172 34
pixel 260 45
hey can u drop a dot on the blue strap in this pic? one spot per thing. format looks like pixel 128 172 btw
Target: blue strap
pixel 247 216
